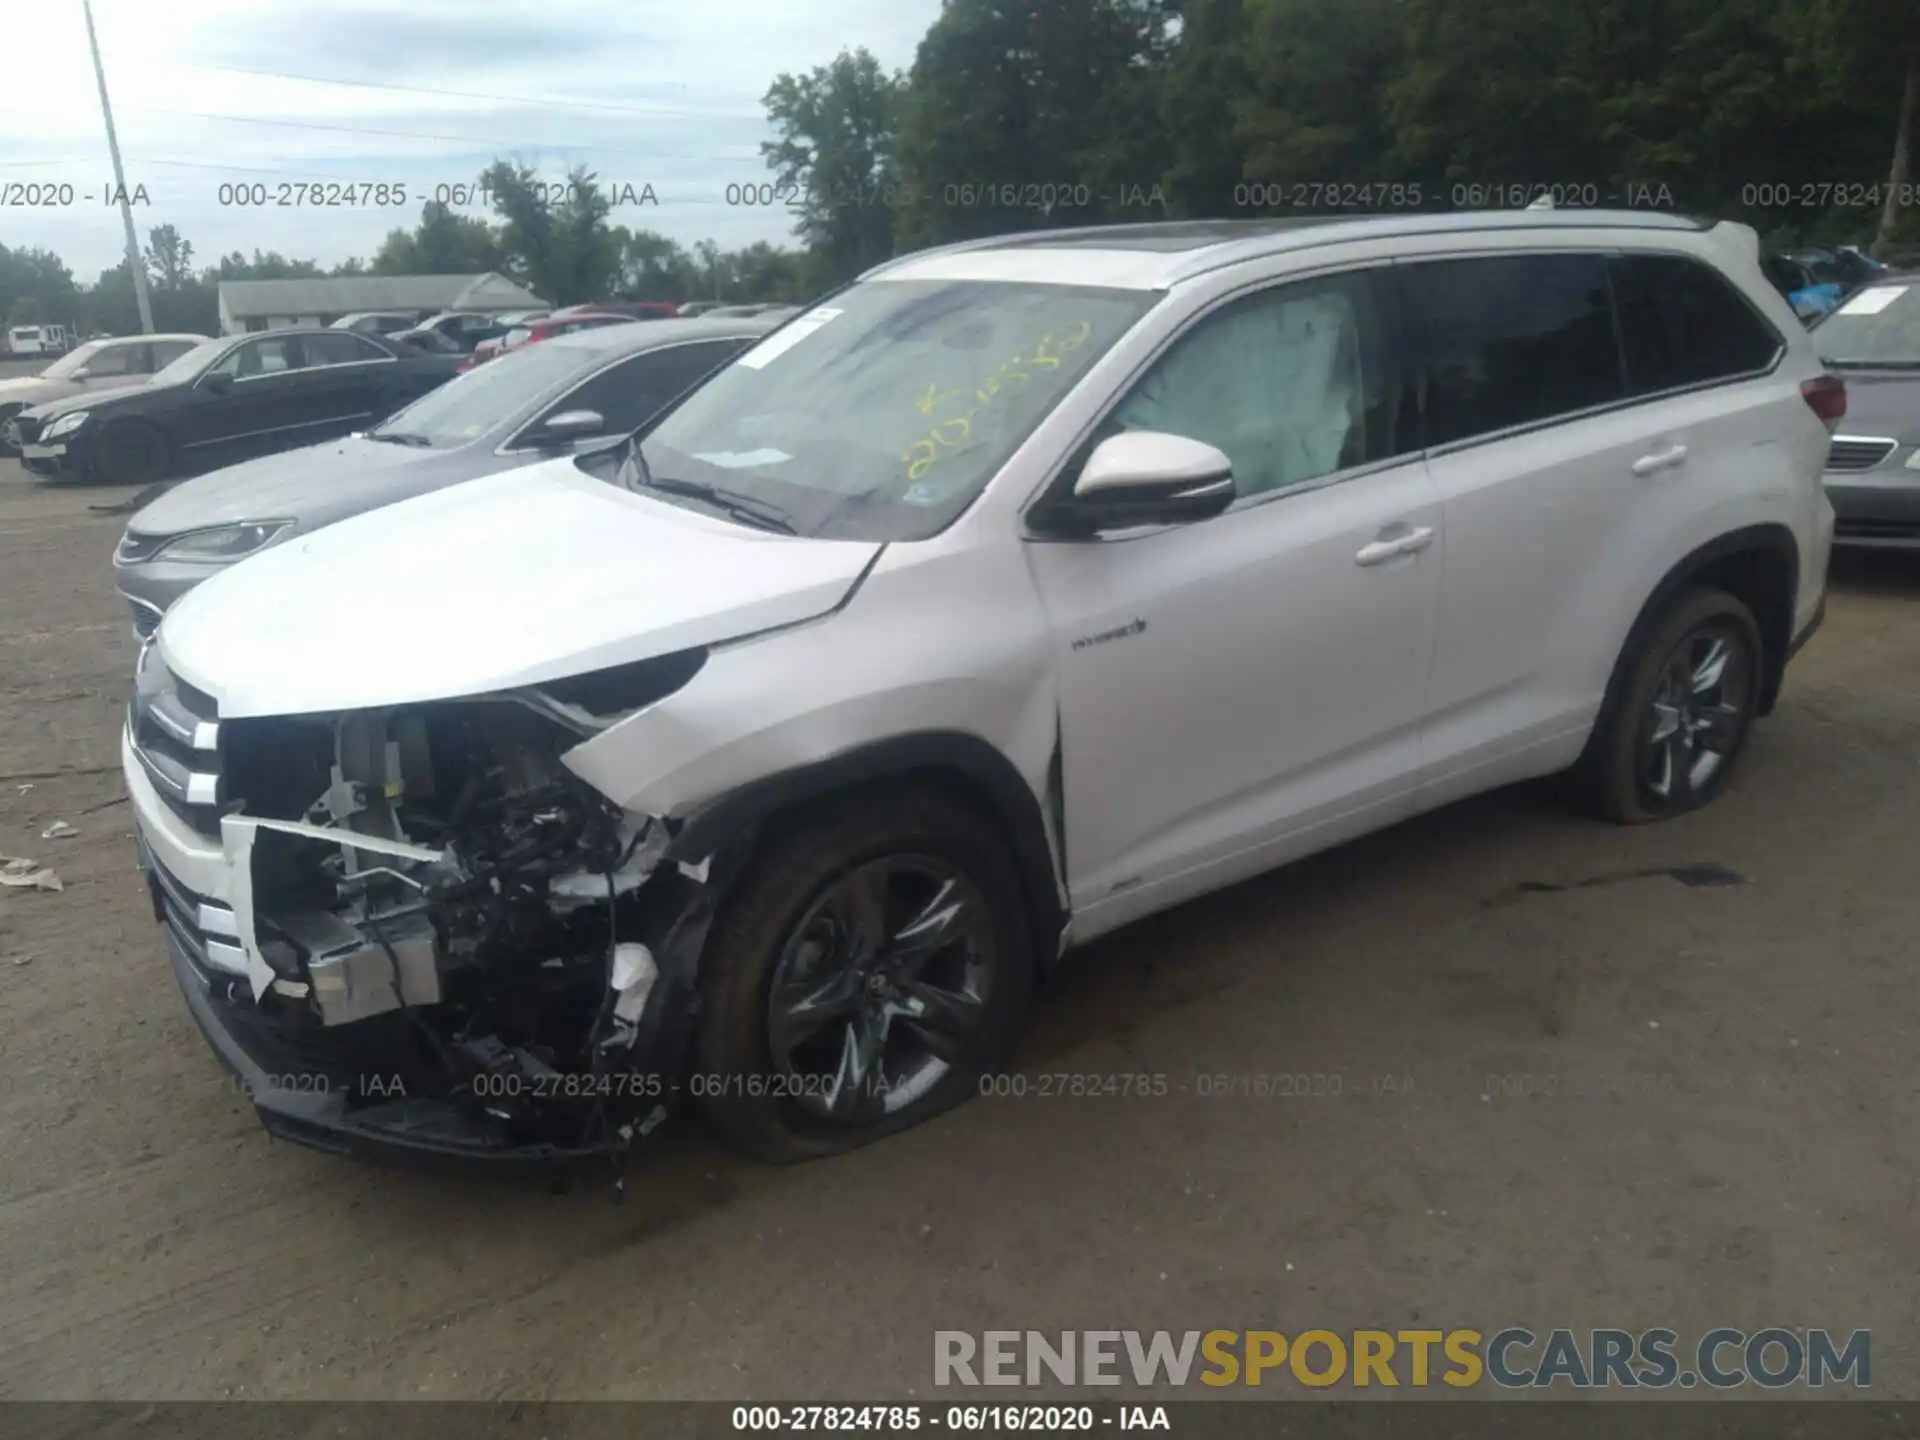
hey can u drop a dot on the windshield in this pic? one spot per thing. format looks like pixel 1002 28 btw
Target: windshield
pixel 486 398
pixel 1878 326
pixel 190 364
pixel 72 361
pixel 882 414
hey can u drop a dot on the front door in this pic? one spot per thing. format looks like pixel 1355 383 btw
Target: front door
pixel 1246 689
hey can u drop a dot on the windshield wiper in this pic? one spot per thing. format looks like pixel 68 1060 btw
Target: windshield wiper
pixel 400 437
pixel 744 508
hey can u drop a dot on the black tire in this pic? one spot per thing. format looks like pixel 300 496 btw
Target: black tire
pixel 1621 775
pixel 130 452
pixel 769 1108
pixel 7 412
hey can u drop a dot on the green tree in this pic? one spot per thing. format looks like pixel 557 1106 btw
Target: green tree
pixel 652 267
pixel 443 243
pixel 1207 79
pixel 555 238
pixel 265 265
pixel 169 258
pixel 1027 113
pixel 835 156
pixel 1309 113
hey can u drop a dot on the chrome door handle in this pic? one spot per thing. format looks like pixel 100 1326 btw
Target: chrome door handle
pixel 1660 460
pixel 1383 550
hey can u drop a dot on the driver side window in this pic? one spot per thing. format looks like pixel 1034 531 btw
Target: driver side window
pixel 1293 383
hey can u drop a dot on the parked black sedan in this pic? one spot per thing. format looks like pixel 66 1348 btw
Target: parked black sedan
pixel 227 400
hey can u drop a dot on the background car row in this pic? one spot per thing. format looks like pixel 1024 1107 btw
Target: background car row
pixel 582 390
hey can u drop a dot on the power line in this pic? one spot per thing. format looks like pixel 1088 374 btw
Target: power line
pixel 479 95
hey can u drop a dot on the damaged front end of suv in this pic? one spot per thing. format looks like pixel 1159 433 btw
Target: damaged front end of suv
pixel 431 936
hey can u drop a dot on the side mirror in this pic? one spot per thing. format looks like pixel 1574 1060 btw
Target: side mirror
pixel 216 384
pixel 1145 477
pixel 569 426
pixel 83 373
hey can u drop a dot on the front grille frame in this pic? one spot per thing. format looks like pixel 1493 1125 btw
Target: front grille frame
pixel 174 731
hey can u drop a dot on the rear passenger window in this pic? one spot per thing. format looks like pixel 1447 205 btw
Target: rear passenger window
pixel 1684 324
pixel 1510 340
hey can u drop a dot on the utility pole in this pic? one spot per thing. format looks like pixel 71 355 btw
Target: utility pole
pixel 134 263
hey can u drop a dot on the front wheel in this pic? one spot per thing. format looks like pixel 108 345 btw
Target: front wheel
pixel 131 452
pixel 871 968
pixel 1666 743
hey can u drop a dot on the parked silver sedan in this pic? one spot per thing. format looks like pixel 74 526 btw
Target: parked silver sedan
pixel 97 365
pixel 570 394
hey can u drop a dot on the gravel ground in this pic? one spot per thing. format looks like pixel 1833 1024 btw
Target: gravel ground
pixel 1730 1141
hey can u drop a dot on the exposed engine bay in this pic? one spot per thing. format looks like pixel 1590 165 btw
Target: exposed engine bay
pixel 437 913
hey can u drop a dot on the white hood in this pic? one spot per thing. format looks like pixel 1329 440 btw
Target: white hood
pixel 510 580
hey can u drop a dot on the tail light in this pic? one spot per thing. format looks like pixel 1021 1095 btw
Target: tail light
pixel 1826 395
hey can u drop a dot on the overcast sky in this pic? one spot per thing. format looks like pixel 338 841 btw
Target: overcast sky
pixel 421 93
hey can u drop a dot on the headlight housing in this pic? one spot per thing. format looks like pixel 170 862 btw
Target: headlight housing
pixel 65 425
pixel 224 542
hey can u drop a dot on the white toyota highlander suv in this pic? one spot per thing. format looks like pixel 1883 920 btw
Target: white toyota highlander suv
pixel 1018 590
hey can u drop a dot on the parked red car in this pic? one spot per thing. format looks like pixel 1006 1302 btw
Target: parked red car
pixel 559 323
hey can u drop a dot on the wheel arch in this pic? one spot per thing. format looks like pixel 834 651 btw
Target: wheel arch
pixel 169 442
pixel 957 763
pixel 1759 565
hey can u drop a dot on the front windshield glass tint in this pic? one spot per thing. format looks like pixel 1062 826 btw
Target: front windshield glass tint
pixel 191 363
pixel 471 405
pixel 1879 326
pixel 881 414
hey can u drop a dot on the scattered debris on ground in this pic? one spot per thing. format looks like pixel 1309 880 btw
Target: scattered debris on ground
pixel 25 874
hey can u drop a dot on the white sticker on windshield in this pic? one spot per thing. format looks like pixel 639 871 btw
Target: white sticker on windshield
pixel 786 337
pixel 1873 301
pixel 743 459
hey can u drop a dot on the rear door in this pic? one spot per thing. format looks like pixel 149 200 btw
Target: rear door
pixel 1578 446
pixel 357 382
pixel 1531 446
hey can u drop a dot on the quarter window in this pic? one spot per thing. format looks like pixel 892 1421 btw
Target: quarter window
pixel 1292 384
pixel 1683 324
pixel 1510 340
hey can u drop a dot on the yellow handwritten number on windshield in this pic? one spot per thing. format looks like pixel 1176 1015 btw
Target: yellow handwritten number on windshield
pixel 923 454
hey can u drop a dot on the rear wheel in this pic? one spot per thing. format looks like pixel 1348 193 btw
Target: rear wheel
pixel 1668 739
pixel 131 452
pixel 871 968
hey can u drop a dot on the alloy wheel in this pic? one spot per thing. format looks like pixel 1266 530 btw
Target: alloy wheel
pixel 1698 714
pixel 880 988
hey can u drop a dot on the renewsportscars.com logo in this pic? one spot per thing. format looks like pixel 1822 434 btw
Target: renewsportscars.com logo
pixel 1513 1358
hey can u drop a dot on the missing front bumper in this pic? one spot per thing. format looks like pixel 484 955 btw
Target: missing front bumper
pixel 350 1104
